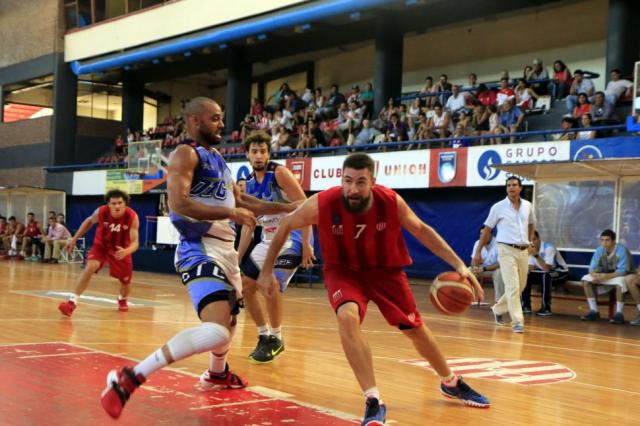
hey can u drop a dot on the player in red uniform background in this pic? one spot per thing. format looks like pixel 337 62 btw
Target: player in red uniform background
pixel 115 241
pixel 359 225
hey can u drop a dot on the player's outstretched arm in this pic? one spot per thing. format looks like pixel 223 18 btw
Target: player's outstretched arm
pixel 182 163
pixel 260 207
pixel 434 242
pixel 84 228
pixel 305 215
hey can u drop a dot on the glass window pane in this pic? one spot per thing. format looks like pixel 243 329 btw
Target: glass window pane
pixel 572 214
pixel 84 101
pixel 71 16
pixel 134 5
pixel 630 215
pixel 107 9
pixel 84 13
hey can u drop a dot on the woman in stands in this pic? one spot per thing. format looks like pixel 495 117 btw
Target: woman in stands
pixel 585 120
pixel 583 107
pixel 525 95
pixel 561 79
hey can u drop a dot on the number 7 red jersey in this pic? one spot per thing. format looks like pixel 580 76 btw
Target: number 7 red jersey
pixel 364 241
pixel 114 232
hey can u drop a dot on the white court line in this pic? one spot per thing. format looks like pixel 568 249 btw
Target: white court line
pixel 231 404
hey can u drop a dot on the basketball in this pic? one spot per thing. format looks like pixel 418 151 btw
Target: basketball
pixel 451 293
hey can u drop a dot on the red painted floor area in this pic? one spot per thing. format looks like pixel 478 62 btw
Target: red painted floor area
pixel 60 384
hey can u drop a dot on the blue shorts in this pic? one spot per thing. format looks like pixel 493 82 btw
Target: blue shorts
pixel 207 283
pixel 286 263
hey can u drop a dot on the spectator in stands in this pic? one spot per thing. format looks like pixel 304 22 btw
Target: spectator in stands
pixel 546 267
pixel 60 219
pixel 284 140
pixel 319 98
pixel 561 79
pixel 617 87
pixel 525 96
pixel 242 185
pixel 510 119
pixel 120 145
pixel 488 266
pixel 354 96
pixel 32 231
pixel 366 97
pixel 130 136
pixel 580 84
pixel 12 237
pixel 414 110
pixel 273 120
pixel 525 73
pixel 486 96
pixel 440 125
pixel 256 109
pixel 429 88
pixel 610 265
pixel 329 110
pixel 247 126
pixel 307 96
pixel 367 134
pixel 633 285
pixel 505 93
pixel 583 106
pixel 456 102
pixel 480 119
pixel 585 121
pixel 422 130
pixel 385 112
pixel 443 86
pixel 566 125
pixel 601 111
pixel 396 130
pixel 505 74
pixel 538 72
pixel 311 137
pixel 55 240
pixel 472 86
pixel 285 118
pixel 458 137
pixel 494 123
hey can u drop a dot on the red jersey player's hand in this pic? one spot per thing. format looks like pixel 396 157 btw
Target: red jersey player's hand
pixel 465 272
pixel 120 253
pixel 308 256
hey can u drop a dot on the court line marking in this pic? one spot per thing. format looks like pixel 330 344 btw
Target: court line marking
pixel 53 355
pixel 231 404
pixel 259 390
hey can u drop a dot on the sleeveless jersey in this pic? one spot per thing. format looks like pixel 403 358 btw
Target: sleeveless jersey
pixel 31 229
pixel 212 185
pixel 112 231
pixel 360 242
pixel 269 190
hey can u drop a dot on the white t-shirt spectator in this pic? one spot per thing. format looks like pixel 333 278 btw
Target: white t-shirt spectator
pixel 489 253
pixel 617 88
pixel 585 86
pixel 551 256
pixel 287 119
pixel 455 103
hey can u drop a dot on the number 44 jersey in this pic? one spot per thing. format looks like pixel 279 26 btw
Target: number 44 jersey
pixel 212 185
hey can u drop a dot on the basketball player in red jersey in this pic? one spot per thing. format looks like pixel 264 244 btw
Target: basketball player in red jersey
pixel 359 225
pixel 115 241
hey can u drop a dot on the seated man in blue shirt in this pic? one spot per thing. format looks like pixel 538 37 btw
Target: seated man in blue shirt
pixel 610 265
pixel 546 267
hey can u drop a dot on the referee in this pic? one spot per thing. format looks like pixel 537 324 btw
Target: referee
pixel 516 226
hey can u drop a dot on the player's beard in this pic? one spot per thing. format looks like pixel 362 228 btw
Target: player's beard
pixel 356 205
pixel 258 167
pixel 209 137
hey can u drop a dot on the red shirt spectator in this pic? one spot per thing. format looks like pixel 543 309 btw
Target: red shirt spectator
pixel 505 93
pixel 485 96
pixel 256 107
pixel 583 107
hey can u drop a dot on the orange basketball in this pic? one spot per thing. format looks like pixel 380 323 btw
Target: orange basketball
pixel 451 293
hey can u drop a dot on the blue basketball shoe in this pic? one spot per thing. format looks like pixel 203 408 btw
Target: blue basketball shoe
pixel 463 392
pixel 375 413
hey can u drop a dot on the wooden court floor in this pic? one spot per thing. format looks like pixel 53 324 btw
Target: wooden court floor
pixel 561 371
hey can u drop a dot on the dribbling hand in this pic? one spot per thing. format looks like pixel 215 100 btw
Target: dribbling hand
pixel 120 253
pixel 479 292
pixel 243 217
pixel 308 256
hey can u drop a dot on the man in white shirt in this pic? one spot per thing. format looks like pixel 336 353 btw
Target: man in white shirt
pixel 617 87
pixel 456 101
pixel 489 266
pixel 515 221
pixel 546 267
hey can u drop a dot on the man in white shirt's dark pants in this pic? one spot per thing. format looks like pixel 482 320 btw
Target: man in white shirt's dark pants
pixel 515 221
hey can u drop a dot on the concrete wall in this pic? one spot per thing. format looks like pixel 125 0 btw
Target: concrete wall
pixel 23 176
pixel 29 29
pixel 25 132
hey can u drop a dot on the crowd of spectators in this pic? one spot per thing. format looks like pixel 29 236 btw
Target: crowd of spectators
pixel 440 110
pixel 31 241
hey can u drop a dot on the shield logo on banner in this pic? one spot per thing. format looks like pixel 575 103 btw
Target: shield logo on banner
pixel 297 168
pixel 447 166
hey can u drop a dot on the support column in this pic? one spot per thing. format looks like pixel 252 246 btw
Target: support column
pixel 1 104
pixel 63 124
pixel 387 62
pixel 238 90
pixel 132 103
pixel 623 36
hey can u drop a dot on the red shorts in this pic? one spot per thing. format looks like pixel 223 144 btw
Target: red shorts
pixel 388 288
pixel 120 269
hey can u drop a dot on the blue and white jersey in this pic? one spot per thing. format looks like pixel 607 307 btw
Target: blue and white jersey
pixel 269 190
pixel 212 185
pixel 551 256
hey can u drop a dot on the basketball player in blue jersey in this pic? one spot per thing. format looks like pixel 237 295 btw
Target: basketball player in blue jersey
pixel 204 205
pixel 273 182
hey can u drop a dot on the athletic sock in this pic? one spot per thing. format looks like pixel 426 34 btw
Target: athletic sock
pixel 121 298
pixel 372 393
pixel 277 332
pixel 153 362
pixel 218 363
pixel 619 307
pixel 450 381
pixel 74 298
pixel 263 330
pixel 593 305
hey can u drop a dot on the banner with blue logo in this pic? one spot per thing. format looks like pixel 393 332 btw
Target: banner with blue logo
pixel 595 149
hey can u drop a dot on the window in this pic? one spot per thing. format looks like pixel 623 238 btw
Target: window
pixel 629 224
pixel 80 13
pixel 28 99
pixel 99 100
